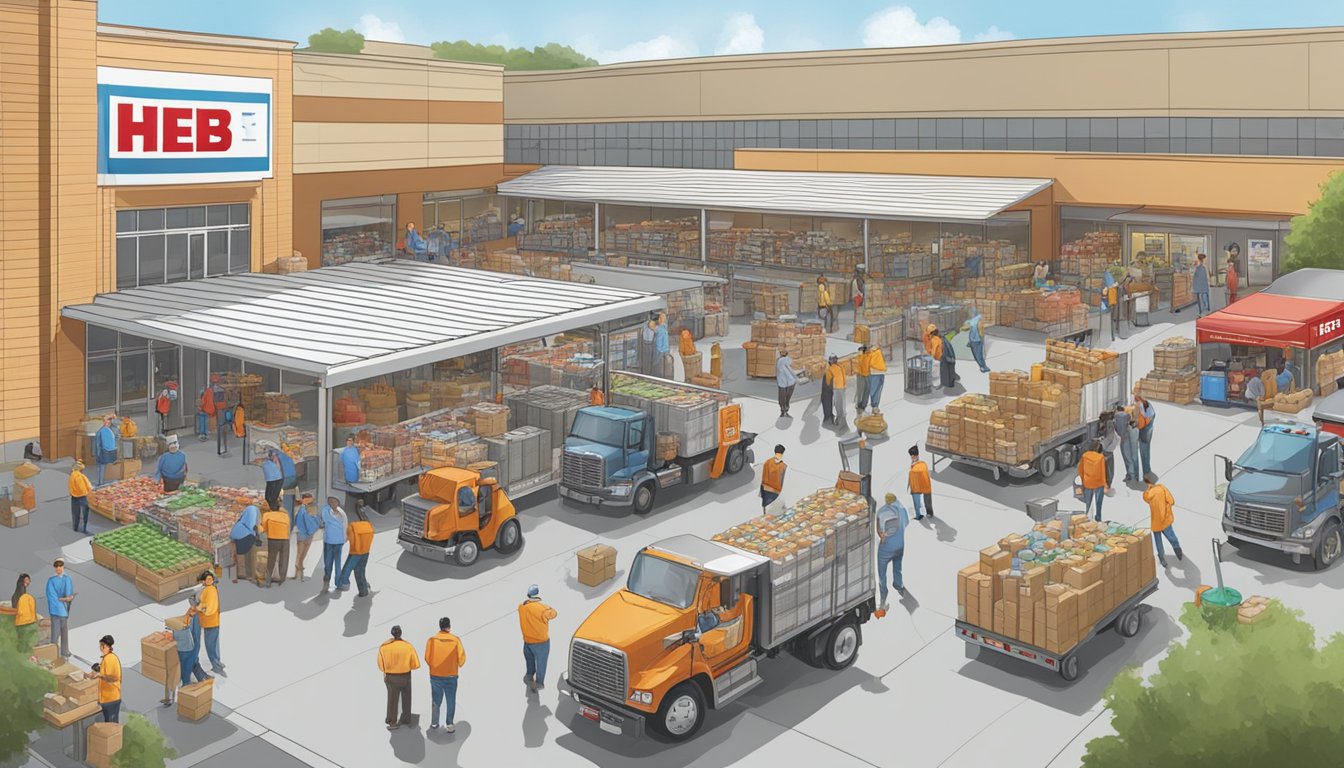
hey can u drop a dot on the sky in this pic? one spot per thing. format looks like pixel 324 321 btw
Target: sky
pixel 612 31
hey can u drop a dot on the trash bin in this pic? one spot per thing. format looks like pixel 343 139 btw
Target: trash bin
pixel 1219 605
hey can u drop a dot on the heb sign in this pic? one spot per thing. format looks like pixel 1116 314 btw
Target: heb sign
pixel 1327 330
pixel 179 128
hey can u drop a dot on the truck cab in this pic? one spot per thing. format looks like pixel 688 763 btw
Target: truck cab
pixel 1284 492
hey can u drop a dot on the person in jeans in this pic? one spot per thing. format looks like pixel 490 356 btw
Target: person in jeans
pixel 274 475
pixel 772 477
pixel 445 656
pixel 396 659
pixel 1160 517
pixel 1092 472
pixel 208 608
pixel 825 305
pixel 1129 442
pixel 892 520
pixel 534 618
pixel 1199 284
pixel 60 594
pixel 877 375
pixel 1144 416
pixel 80 488
pixel 975 339
pixel 360 535
pixel 105 443
pixel 334 522
pixel 306 522
pixel 920 485
pixel 108 670
pixel 785 379
pixel 244 538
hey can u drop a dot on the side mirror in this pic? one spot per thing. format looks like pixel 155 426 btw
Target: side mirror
pixel 1227 467
pixel 706 621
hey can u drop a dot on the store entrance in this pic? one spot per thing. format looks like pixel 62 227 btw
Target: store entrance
pixel 165 361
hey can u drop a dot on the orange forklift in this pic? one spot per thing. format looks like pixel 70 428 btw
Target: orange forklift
pixel 457 513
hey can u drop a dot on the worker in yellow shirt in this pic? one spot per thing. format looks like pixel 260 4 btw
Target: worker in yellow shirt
pixel 108 670
pixel 833 381
pixel 920 485
pixel 1160 517
pixel 207 607
pixel 80 487
pixel 24 609
pixel 772 477
pixel 861 371
pixel 445 657
pixel 396 659
pixel 1092 473
pixel 596 396
pixel 825 308
pixel 534 618
pixel 275 523
pixel 360 535
pixel 877 376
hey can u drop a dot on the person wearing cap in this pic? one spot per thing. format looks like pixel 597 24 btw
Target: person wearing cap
pixel 534 618
pixel 892 520
pixel 172 467
pixel 207 607
pixel 80 488
pixel 772 477
pixel 275 523
pixel 108 672
pixel 920 485
pixel 445 657
pixel 105 442
pixel 360 535
pixel 396 659
pixel 833 380
pixel 334 523
pixel 243 535
pixel 306 523
pixel 1160 517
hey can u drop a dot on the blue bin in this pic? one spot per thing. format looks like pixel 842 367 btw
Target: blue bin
pixel 1213 386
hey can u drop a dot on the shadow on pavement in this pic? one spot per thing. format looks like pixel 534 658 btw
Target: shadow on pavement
pixel 1274 567
pixel 357 618
pixel 534 722
pixel 1100 660
pixel 408 742
pixel 448 746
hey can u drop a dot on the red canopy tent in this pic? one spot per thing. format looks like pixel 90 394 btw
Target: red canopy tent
pixel 1272 320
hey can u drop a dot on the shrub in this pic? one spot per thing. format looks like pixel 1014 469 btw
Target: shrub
pixel 22 686
pixel 1317 237
pixel 142 745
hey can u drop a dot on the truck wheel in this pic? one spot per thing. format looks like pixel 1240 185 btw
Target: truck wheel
pixel 1329 547
pixel 1047 466
pixel 468 551
pixel 737 459
pixel 1068 668
pixel 644 494
pixel 682 712
pixel 509 538
pixel 842 645
pixel 1068 455
pixel 1130 624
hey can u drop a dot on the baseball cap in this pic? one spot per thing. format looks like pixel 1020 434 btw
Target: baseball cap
pixel 533 591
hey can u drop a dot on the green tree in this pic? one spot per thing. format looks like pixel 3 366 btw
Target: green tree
pixel 1317 237
pixel 1232 696
pixel 336 41
pixel 22 686
pixel 549 56
pixel 142 745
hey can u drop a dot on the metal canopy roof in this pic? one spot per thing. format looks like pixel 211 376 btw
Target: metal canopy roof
pixel 1310 283
pixel 651 279
pixel 354 321
pixel 849 195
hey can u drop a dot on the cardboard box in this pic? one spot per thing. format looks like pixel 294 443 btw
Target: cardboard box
pixel 596 564
pixel 104 741
pixel 964 581
pixel 194 701
pixel 998 617
pixel 13 517
pixel 81 692
pixel 46 652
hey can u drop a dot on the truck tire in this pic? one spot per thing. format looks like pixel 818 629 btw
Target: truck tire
pixel 1047 465
pixel 1130 623
pixel 1330 546
pixel 643 500
pixel 1068 668
pixel 468 551
pixel 682 712
pixel 1068 455
pixel 509 538
pixel 842 645
pixel 737 459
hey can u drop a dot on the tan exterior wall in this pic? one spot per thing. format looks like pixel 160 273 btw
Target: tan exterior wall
pixel 1281 187
pixel 1289 73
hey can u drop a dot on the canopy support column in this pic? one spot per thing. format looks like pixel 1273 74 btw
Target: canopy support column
pixel 597 226
pixel 324 423
pixel 704 237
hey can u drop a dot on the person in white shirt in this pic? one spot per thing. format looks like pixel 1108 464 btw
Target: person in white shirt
pixel 786 379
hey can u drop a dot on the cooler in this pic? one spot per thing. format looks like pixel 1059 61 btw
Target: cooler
pixel 1213 387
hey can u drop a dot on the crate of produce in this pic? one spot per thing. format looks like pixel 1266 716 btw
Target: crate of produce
pixel 103 556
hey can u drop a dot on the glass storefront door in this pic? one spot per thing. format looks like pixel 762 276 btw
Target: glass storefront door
pixel 165 363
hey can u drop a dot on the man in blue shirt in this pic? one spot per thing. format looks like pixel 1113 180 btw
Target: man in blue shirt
pixel 662 348
pixel 350 460
pixel 976 339
pixel 172 467
pixel 1285 377
pixel 415 244
pixel 106 442
pixel 60 593
pixel 334 523
pixel 274 475
pixel 892 520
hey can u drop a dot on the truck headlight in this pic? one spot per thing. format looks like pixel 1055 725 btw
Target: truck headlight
pixel 642 697
pixel 1306 531
pixel 621 487
pixel 1227 509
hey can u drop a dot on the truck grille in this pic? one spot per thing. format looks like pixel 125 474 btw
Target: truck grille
pixel 1261 519
pixel 598 668
pixel 582 470
pixel 413 521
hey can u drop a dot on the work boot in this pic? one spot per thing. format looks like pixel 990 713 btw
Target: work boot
pixel 1163 560
pixel 1179 554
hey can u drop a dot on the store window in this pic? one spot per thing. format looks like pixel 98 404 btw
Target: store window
pixel 651 234
pixel 458 221
pixel 560 226
pixel 358 229
pixel 170 245
pixel 811 244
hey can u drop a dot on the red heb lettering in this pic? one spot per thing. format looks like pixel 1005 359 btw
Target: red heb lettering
pixel 184 129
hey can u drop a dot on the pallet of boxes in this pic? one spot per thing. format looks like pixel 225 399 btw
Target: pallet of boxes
pixel 806 344
pixel 1329 370
pixel 1053 588
pixel 1175 375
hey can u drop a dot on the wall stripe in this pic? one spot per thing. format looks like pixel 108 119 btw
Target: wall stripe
pixel 338 109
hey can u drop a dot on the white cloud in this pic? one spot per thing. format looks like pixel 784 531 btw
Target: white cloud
pixel 741 34
pixel 374 28
pixel 899 25
pixel 661 47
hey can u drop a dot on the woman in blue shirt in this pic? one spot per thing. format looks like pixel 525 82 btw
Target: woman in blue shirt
pixel 274 475
pixel 172 468
pixel 244 538
pixel 306 523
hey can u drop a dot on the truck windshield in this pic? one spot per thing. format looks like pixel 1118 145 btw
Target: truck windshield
pixel 596 429
pixel 663 580
pixel 1281 452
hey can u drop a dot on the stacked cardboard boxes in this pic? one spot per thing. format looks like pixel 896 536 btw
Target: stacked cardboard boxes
pixel 769 300
pixel 806 345
pixel 674 238
pixel 104 741
pixel 1051 586
pixel 78 687
pixel 1175 375
pixel 194 701
pixel 1087 258
pixel 1329 370
pixel 158 656
pixel 1292 402
pixel 596 564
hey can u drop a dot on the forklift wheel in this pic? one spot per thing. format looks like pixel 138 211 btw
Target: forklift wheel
pixel 468 551
pixel 509 538
pixel 737 458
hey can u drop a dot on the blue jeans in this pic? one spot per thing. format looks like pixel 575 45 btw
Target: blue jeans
pixel 923 501
pixel 190 663
pixel 1203 297
pixel 212 646
pixel 861 390
pixel 875 383
pixel 443 689
pixel 111 711
pixel 895 557
pixel 978 352
pixel 1093 494
pixel 100 471
pixel 331 561
pixel 79 512
pixel 535 655
pixel 1145 448
pixel 1129 451
pixel 354 564
pixel 1170 533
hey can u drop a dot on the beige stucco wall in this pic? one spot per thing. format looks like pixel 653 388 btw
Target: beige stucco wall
pixel 1245 74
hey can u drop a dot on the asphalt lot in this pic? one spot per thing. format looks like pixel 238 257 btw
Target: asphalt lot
pixel 304 689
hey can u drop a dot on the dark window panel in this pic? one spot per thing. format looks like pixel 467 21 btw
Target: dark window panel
pixel 1130 127
pixel 1254 128
pixel 1048 128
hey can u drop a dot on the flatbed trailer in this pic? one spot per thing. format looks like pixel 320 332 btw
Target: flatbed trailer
pixel 1061 451
pixel 1127 617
